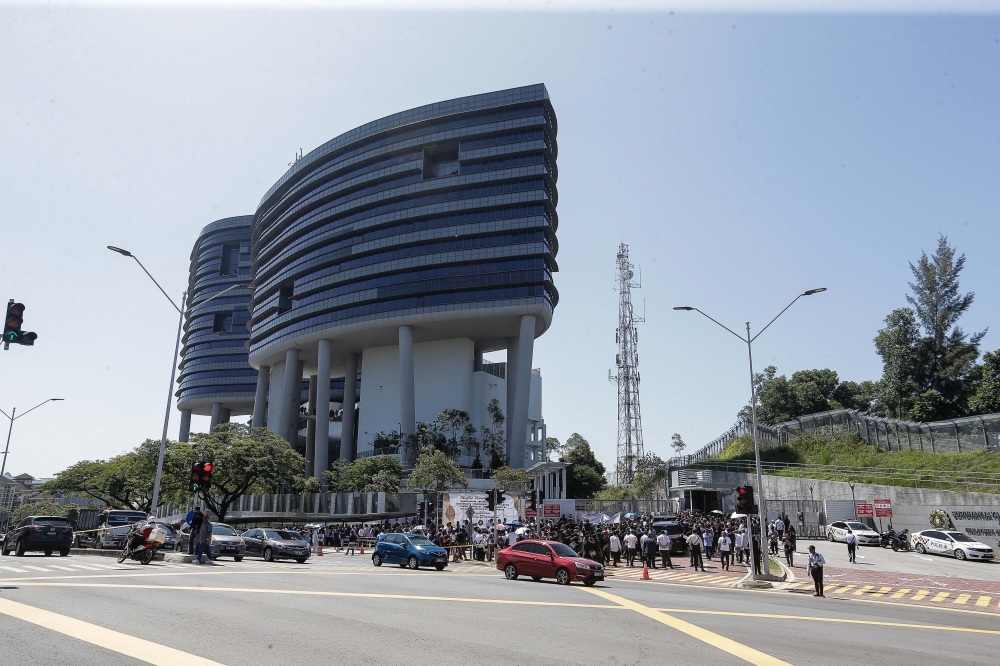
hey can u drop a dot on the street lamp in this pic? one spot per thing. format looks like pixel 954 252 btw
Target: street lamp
pixel 173 366
pixel 853 500
pixel 13 417
pixel 753 408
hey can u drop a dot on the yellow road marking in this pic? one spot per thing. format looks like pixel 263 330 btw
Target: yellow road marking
pixel 938 627
pixel 740 650
pixel 941 596
pixel 920 595
pixel 840 590
pixel 962 598
pixel 983 600
pixel 862 590
pixel 881 592
pixel 143 650
pixel 900 593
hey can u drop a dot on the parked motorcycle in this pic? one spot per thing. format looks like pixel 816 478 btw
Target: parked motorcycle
pixel 896 540
pixel 142 543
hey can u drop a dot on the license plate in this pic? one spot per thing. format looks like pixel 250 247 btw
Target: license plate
pixel 229 550
pixel 439 559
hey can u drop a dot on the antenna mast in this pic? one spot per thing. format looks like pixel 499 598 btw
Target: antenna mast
pixel 627 362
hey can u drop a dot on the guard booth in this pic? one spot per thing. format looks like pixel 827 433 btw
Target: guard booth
pixel 703 490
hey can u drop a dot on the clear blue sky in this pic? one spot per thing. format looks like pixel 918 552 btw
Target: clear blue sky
pixel 744 158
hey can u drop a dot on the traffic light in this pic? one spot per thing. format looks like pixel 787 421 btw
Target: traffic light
pixel 201 477
pixel 494 497
pixel 744 501
pixel 421 510
pixel 532 501
pixel 12 323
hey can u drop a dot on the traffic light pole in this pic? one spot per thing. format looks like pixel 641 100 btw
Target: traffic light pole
pixel 761 502
pixel 170 399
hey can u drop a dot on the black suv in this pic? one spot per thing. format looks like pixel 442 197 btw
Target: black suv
pixel 44 533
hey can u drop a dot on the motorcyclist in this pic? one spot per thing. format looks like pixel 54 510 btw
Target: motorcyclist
pixel 140 533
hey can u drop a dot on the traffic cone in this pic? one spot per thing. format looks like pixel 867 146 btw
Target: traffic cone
pixel 645 572
pixel 362 547
pixel 320 553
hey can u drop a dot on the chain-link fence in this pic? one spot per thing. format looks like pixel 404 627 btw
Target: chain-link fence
pixel 971 433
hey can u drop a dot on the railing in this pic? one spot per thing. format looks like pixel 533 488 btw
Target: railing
pixel 914 478
pixel 656 507
pixel 309 505
pixel 766 435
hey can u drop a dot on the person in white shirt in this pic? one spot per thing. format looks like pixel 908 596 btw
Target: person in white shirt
pixel 740 538
pixel 663 543
pixel 815 569
pixel 694 542
pixel 615 545
pixel 852 545
pixel 511 538
pixel 725 547
pixel 630 543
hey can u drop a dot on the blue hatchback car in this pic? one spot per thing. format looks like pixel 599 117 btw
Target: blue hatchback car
pixel 409 550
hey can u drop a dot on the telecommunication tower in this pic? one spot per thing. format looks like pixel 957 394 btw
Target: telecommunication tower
pixel 627 362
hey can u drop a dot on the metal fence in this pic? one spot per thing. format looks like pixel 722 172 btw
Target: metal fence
pixel 971 433
pixel 310 505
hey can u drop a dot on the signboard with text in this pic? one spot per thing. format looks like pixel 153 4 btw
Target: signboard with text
pixel 883 508
pixel 865 511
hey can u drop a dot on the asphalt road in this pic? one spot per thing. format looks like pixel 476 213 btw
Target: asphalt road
pixel 339 610
pixel 873 558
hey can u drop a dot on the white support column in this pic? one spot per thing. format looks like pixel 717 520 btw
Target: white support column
pixel 322 410
pixel 562 485
pixel 216 415
pixel 289 383
pixel 311 429
pixel 293 409
pixel 185 430
pixel 511 379
pixel 348 449
pixel 260 397
pixel 407 400
pixel 522 388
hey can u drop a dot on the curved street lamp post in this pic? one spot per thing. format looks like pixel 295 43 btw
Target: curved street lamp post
pixel 761 506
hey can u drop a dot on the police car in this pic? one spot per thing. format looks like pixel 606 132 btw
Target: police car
pixel 837 531
pixel 958 545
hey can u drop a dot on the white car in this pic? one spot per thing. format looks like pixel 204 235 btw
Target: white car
pixel 837 531
pixel 960 546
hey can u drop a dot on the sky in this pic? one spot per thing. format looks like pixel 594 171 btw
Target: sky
pixel 744 156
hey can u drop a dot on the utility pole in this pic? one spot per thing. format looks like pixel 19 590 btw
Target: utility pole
pixel 630 449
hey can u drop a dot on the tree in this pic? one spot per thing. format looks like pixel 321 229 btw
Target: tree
pixel 336 476
pixel 245 459
pixel 362 473
pixel 44 508
pixel 506 478
pixel 494 438
pixel 384 481
pixel 585 475
pixel 310 485
pixel 897 345
pixel 454 421
pixel 553 448
pixel 807 392
pixel 987 397
pixel 434 471
pixel 936 298
pixel 677 443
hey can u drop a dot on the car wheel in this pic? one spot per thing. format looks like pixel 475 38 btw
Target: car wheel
pixel 19 548
pixel 510 571
pixel 3 549
pixel 412 563
pixel 829 535
pixel 300 560
pixel 920 548
pixel 440 567
pixel 48 552
pixel 64 552
pixel 377 560
pixel 562 577
pixel 238 558
pixel 959 554
pixel 268 555
pixel 589 582
pixel 536 578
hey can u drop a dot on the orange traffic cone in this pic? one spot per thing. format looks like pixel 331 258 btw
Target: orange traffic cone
pixel 362 547
pixel 320 553
pixel 645 572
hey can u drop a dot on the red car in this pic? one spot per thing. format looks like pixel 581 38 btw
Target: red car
pixel 548 559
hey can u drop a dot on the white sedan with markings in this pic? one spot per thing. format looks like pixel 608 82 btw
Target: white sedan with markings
pixel 958 545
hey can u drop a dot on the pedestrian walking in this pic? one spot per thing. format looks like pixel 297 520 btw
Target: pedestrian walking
pixel 352 538
pixel 663 543
pixel 195 521
pixel 204 555
pixel 852 545
pixel 649 551
pixel 694 542
pixel 789 548
pixel 815 568
pixel 630 543
pixel 739 546
pixel 616 548
pixel 725 550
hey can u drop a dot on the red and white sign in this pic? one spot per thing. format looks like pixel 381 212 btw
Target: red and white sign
pixel 883 508
pixel 552 511
pixel 865 511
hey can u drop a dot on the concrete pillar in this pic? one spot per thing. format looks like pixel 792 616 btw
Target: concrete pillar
pixel 511 385
pixel 293 410
pixel 348 447
pixel 311 429
pixel 216 415
pixel 321 407
pixel 260 397
pixel 276 386
pixel 407 400
pixel 522 388
pixel 477 364
pixel 226 415
pixel 288 386
pixel 185 430
pixel 562 485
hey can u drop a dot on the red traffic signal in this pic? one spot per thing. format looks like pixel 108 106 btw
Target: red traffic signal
pixel 207 467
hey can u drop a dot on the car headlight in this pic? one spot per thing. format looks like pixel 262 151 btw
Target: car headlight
pixel 580 565
pixel 214 541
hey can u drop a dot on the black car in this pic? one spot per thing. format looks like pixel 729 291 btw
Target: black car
pixel 45 533
pixel 678 544
pixel 276 545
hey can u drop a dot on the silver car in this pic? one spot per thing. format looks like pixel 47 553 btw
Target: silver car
pixel 274 544
pixel 226 542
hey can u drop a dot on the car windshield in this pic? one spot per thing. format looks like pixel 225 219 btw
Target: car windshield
pixel 224 530
pixel 118 519
pixel 61 522
pixel 282 535
pixel 958 536
pixel 562 550
pixel 858 526
pixel 419 541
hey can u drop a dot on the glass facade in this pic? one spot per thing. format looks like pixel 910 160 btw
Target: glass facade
pixel 214 364
pixel 447 206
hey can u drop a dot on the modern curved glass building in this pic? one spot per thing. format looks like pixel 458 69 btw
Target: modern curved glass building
pixel 215 376
pixel 405 249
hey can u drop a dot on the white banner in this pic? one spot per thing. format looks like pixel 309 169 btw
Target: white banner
pixel 455 508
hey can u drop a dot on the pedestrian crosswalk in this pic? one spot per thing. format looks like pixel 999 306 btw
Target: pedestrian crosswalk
pixel 941 597
pixel 94 564
pixel 672 576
